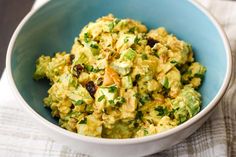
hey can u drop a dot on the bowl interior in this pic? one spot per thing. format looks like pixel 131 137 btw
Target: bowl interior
pixel 54 26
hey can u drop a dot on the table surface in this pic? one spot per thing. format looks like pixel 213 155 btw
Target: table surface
pixel 11 13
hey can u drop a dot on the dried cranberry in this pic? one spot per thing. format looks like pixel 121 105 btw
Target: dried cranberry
pixel 151 42
pixel 91 88
pixel 78 69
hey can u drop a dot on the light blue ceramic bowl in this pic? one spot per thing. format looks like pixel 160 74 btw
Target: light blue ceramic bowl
pixel 53 27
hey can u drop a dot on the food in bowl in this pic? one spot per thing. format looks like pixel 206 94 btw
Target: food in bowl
pixel 122 81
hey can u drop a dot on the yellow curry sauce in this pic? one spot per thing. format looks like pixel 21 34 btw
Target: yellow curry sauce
pixel 122 81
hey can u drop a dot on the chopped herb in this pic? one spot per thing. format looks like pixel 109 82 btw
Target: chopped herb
pixel 84 121
pixel 111 102
pixel 96 70
pixel 144 56
pixel 86 37
pixel 101 98
pixel 95 46
pixel 94 49
pixel 119 101
pixel 199 75
pixel 136 40
pixel 139 115
pixel 161 110
pixel 111 26
pixel 89 68
pixel 117 21
pixel 166 83
pixel 136 95
pixel 173 62
pixel 189 72
pixel 145 132
pixel 112 89
pixel 79 102
pixel 131 30
pixel 69 115
pixel 144 99
pixel 156 54
pixel 137 77
pixel 126 39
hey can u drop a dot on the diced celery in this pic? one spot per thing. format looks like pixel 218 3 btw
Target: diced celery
pixel 127 82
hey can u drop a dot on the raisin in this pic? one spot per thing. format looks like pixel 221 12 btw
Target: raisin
pixel 151 42
pixel 78 69
pixel 136 125
pixel 91 88
pixel 72 107
pixel 72 57
pixel 135 83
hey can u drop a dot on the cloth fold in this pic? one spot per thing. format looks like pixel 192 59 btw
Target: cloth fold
pixel 20 137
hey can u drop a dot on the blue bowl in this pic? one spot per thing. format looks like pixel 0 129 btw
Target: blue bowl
pixel 52 28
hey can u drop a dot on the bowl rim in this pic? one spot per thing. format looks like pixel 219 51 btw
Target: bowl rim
pixel 95 140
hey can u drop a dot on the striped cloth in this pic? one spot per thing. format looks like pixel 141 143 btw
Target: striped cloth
pixel 20 137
